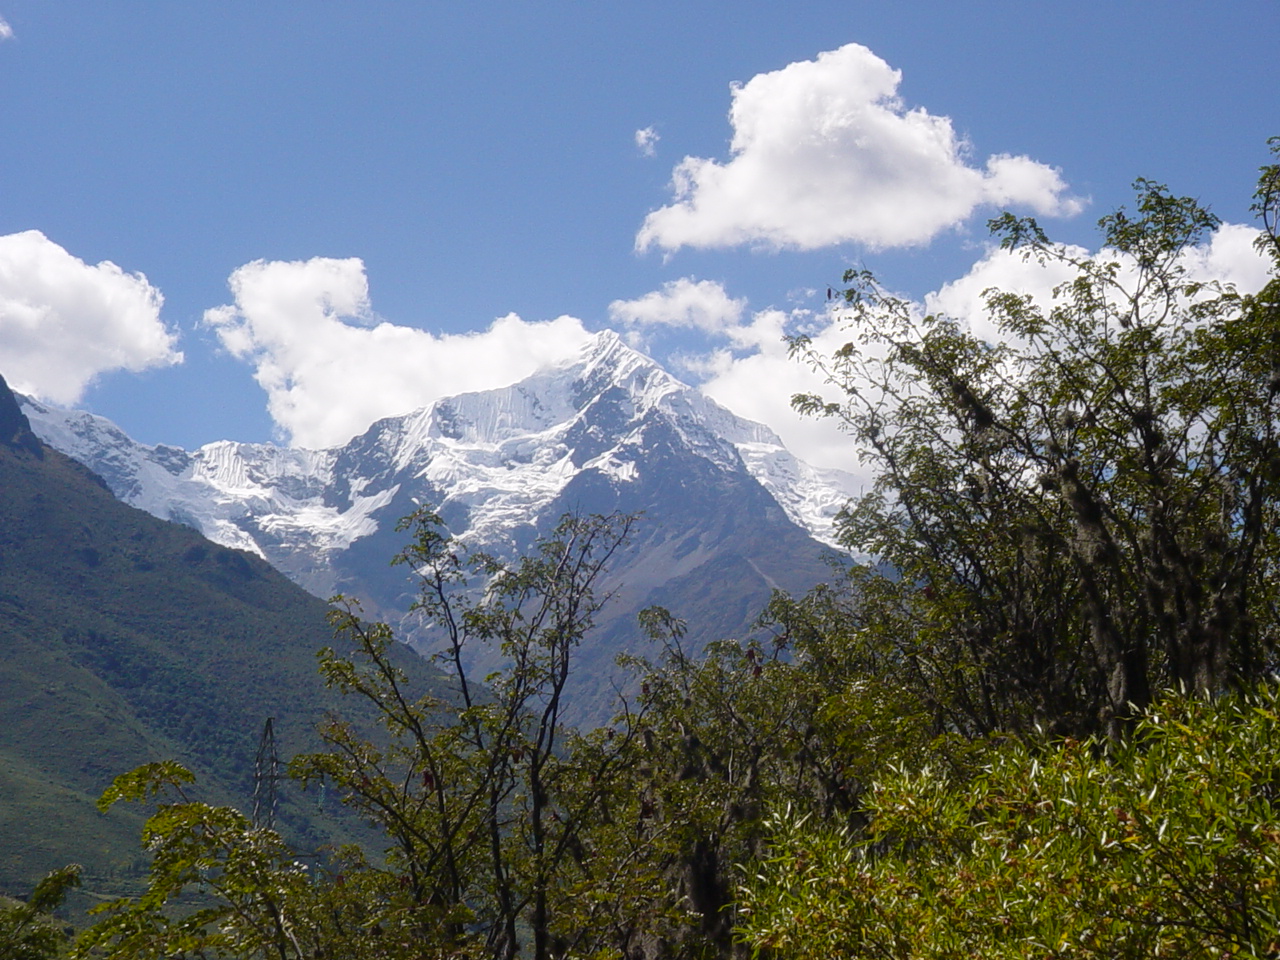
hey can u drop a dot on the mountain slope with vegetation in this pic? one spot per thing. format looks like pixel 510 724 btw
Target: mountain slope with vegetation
pixel 127 639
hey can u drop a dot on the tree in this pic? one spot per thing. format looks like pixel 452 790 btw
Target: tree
pixel 1086 511
pixel 796 715
pixel 218 886
pixel 506 833
pixel 484 800
pixel 28 930
pixel 483 797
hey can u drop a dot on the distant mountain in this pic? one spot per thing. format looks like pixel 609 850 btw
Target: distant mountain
pixel 125 639
pixel 728 512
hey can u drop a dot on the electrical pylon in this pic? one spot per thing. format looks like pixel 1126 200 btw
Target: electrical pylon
pixel 266 771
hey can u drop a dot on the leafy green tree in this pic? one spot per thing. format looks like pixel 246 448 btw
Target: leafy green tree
pixel 795 716
pixel 1085 511
pixel 1164 845
pixel 28 930
pixel 221 886
pixel 483 798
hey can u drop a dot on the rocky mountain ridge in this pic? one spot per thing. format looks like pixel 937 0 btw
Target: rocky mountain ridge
pixel 729 513
pixel 503 453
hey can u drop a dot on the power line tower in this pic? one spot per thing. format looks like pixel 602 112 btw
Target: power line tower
pixel 266 771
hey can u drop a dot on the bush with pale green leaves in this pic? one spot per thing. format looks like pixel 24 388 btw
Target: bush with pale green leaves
pixel 1167 845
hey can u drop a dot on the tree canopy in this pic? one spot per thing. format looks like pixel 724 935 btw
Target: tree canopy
pixel 1085 511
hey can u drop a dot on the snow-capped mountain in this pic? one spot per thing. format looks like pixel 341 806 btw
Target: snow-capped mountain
pixel 502 454
pixel 729 512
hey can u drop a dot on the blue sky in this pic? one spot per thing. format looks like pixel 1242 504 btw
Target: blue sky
pixel 482 160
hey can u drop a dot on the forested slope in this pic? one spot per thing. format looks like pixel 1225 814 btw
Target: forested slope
pixel 127 639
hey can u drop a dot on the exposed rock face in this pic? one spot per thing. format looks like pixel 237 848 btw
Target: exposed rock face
pixel 15 429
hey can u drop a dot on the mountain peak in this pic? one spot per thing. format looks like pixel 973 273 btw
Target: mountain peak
pixel 609 361
pixel 603 342
pixel 608 351
pixel 727 508
pixel 15 428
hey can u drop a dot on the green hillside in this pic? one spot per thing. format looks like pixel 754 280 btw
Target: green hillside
pixel 125 639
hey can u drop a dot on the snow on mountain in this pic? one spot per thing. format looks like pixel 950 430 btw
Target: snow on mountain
pixel 487 461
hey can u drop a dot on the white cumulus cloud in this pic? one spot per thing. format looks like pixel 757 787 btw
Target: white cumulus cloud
pixel 647 141
pixel 6 31
pixel 752 374
pixel 330 369
pixel 63 321
pixel 1231 256
pixel 825 152
pixel 755 377
pixel 1228 256
pixel 700 304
